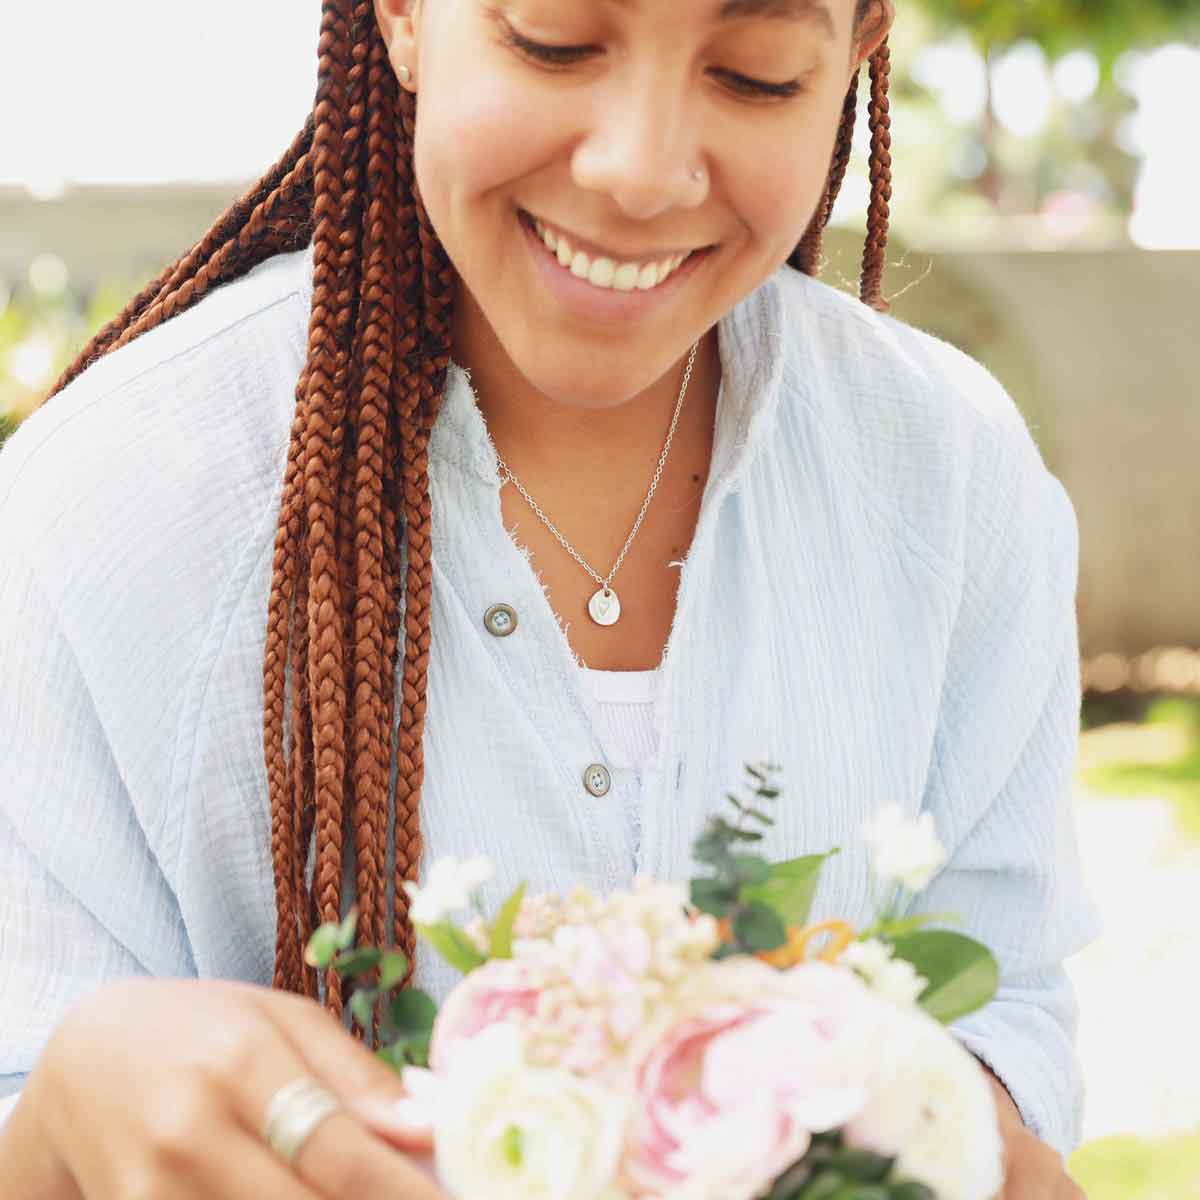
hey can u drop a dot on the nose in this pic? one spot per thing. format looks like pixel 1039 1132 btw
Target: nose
pixel 641 149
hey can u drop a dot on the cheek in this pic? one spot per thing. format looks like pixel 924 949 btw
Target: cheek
pixel 481 135
pixel 775 185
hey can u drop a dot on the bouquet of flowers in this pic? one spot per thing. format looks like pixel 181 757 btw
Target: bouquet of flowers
pixel 692 1043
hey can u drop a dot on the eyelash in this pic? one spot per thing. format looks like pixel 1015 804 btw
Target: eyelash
pixel 567 56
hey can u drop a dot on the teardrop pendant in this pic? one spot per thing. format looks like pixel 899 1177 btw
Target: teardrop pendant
pixel 604 607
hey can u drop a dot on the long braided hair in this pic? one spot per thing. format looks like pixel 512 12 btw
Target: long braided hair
pixel 354 519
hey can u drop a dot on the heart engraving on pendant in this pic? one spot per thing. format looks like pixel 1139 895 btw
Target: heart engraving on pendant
pixel 604 607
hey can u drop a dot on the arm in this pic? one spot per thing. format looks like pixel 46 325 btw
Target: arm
pixel 999 785
pixel 82 898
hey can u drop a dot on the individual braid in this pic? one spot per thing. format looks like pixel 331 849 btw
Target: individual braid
pixel 807 255
pixel 879 213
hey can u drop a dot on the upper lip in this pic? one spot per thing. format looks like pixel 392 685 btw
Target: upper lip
pixel 594 250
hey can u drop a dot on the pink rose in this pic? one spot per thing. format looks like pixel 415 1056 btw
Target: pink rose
pixel 500 990
pixel 729 1094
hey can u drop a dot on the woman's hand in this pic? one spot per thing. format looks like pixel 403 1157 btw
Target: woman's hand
pixel 1032 1170
pixel 160 1088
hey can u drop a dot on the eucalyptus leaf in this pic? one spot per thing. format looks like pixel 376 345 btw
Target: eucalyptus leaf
pixel 357 962
pixel 758 928
pixel 453 945
pixel 963 975
pixel 346 930
pixel 751 869
pixel 412 1013
pixel 790 887
pixel 501 934
pixel 714 896
pixel 862 1166
pixel 362 1005
pixel 322 946
pixel 393 970
pixel 903 926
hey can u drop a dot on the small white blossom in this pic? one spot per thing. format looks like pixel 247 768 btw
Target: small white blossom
pixel 903 850
pixel 895 979
pixel 449 888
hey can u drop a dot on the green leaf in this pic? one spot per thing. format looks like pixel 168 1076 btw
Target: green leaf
pixel 751 869
pixel 758 928
pixel 393 970
pixel 412 1014
pixel 963 975
pixel 861 1191
pixel 911 1190
pixel 790 888
pixel 501 934
pixel 357 962
pixel 822 1187
pixel 322 946
pixel 346 929
pixel 862 1166
pixel 362 1005
pixel 453 945
pixel 907 925
pixel 714 896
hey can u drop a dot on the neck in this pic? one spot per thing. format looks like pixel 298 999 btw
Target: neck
pixel 547 440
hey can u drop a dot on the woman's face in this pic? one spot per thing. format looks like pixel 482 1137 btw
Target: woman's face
pixel 629 135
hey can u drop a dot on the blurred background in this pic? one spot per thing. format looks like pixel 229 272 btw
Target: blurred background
pixel 1047 220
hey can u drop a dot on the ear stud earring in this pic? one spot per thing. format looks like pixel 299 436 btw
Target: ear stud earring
pixel 404 75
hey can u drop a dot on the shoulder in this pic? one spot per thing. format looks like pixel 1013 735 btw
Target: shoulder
pixel 929 435
pixel 184 425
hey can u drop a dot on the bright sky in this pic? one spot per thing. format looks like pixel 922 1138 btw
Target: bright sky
pixel 151 98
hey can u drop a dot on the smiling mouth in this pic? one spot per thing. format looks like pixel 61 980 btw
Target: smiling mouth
pixel 602 271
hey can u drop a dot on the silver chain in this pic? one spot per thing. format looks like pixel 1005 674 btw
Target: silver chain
pixel 662 462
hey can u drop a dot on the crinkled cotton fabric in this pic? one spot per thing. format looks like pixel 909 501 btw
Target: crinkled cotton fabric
pixel 879 598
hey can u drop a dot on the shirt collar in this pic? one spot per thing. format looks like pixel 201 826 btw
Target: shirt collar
pixel 752 354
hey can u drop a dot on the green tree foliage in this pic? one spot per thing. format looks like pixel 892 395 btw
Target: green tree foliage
pixel 1106 27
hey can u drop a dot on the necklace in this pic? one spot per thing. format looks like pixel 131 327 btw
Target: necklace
pixel 605 606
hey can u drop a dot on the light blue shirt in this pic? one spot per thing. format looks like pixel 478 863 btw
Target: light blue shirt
pixel 879 598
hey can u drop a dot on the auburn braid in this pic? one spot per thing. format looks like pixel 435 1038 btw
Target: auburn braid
pixel 351 573
pixel 879 213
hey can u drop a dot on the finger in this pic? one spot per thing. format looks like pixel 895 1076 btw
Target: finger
pixel 341 1157
pixel 247 1169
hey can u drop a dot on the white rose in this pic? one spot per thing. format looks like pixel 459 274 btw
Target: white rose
pixel 508 1131
pixel 934 1110
pixel 904 851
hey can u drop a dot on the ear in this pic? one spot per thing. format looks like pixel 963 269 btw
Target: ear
pixel 398 22
pixel 874 26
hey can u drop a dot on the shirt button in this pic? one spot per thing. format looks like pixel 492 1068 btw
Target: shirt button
pixel 597 780
pixel 500 620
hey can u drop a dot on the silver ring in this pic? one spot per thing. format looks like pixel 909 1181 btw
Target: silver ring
pixel 293 1115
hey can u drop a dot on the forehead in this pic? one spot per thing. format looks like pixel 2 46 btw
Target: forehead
pixel 817 13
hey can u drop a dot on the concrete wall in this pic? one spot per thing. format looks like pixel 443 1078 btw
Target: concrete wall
pixel 1100 350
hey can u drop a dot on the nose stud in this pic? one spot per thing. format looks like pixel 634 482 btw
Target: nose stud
pixel 698 175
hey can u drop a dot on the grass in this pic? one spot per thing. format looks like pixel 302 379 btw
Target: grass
pixel 1131 1168
pixel 1167 768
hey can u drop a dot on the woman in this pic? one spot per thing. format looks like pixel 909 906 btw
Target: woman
pixel 849 558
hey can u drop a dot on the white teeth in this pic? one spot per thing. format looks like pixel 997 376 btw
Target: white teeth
pixel 626 277
pixel 605 273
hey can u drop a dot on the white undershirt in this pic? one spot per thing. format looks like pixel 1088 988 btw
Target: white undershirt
pixel 624 703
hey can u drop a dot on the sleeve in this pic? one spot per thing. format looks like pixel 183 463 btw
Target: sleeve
pixel 1000 782
pixel 82 898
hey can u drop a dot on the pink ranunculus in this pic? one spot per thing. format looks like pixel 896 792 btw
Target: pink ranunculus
pixel 756 1061
pixel 500 990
